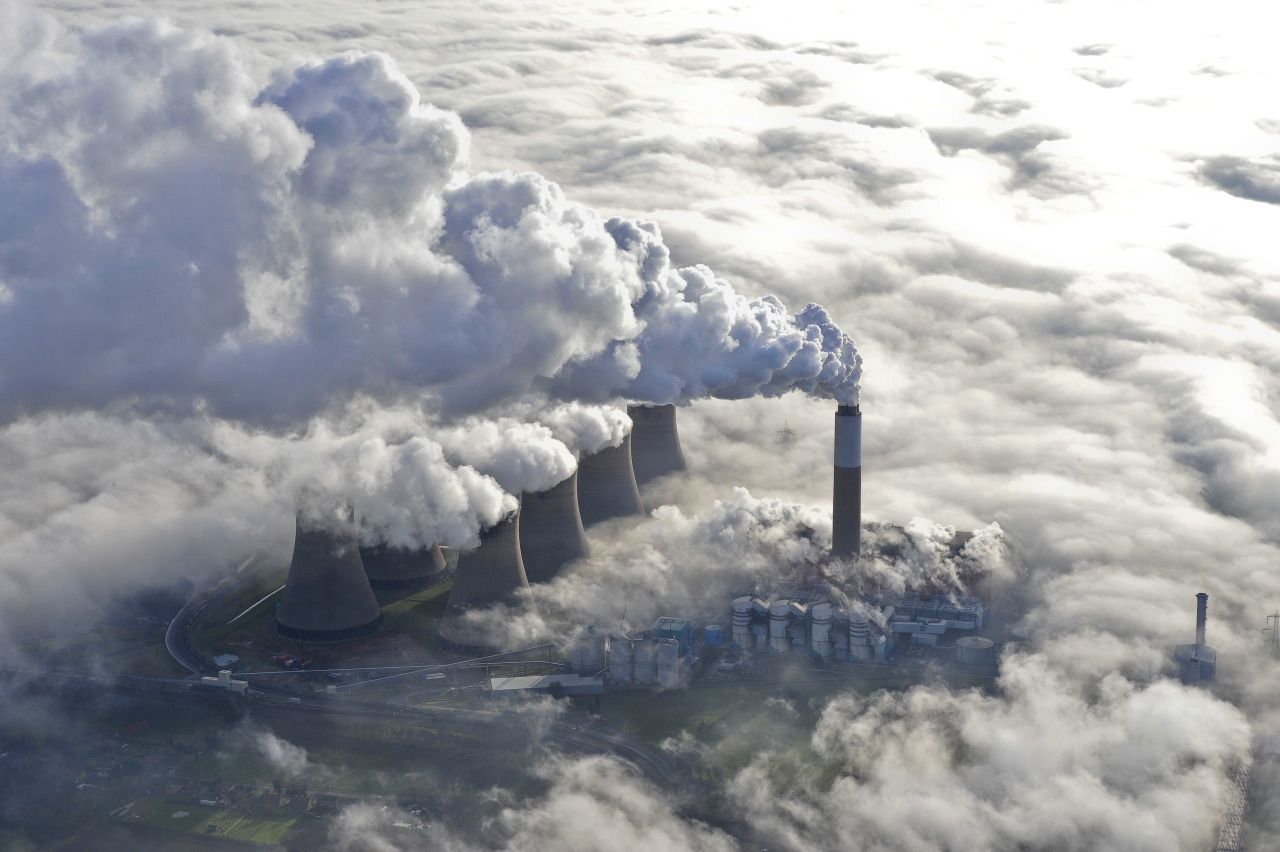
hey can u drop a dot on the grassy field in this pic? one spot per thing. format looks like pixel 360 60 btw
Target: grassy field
pixel 417 615
pixel 204 821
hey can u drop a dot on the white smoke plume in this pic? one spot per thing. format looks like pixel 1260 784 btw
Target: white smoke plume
pixel 676 563
pixel 1046 765
pixel 176 237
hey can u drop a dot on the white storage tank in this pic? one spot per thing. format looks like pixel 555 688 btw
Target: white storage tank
pixel 742 623
pixel 588 651
pixel 975 650
pixel 860 645
pixel 820 629
pixel 761 634
pixel 621 660
pixel 779 620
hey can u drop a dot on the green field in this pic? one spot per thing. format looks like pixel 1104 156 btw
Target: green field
pixel 208 822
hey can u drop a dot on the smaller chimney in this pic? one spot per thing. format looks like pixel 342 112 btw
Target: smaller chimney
pixel 1202 615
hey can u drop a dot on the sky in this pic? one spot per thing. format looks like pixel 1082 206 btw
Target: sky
pixel 1045 225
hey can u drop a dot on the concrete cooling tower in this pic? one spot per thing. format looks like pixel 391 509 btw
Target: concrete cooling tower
pixel 403 568
pixel 327 597
pixel 655 443
pixel 491 574
pixel 846 519
pixel 551 534
pixel 607 485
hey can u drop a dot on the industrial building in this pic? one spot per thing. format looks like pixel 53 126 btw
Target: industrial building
pixel 551 532
pixel 1198 662
pixel 327 597
pixel 491 574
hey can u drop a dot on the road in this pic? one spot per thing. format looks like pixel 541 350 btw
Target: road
pixel 586 738
pixel 178 638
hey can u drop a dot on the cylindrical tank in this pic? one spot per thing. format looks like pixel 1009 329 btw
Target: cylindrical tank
pixel 551 533
pixel 621 660
pixel 607 485
pixel 820 629
pixel 326 597
pixel 655 442
pixel 975 650
pixel 668 659
pixel 779 620
pixel 846 521
pixel 742 623
pixel 588 651
pixel 860 647
pixel 391 567
pixel 491 574
pixel 761 634
pixel 646 653
pixel 713 635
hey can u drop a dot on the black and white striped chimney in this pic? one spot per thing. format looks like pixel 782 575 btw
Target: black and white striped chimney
pixel 846 521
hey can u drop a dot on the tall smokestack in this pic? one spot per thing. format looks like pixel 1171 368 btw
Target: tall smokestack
pixel 1202 616
pixel 551 533
pixel 327 597
pixel 655 443
pixel 491 574
pixel 846 521
pixel 391 567
pixel 607 485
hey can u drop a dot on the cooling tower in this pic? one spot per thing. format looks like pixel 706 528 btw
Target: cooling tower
pixel 391 567
pixel 327 597
pixel 607 485
pixel 551 534
pixel 846 520
pixel 655 443
pixel 491 574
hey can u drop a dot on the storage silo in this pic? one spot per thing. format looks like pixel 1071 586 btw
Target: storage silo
pixel 646 656
pixel 621 660
pixel 975 651
pixel 668 661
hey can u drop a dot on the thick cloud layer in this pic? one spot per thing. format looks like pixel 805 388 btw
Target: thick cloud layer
pixel 696 564
pixel 1051 224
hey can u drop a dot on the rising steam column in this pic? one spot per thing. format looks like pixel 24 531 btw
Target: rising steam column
pixel 846 521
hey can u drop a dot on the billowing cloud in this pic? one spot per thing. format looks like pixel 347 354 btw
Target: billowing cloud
pixel 1068 302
